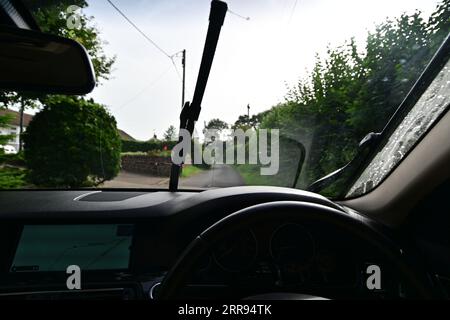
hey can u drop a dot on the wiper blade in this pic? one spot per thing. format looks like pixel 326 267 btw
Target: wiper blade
pixel 191 111
pixel 365 149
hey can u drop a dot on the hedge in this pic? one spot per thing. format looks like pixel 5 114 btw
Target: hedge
pixel 152 145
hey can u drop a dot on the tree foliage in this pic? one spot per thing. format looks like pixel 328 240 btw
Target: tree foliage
pixel 52 17
pixel 72 142
pixel 244 123
pixel 170 134
pixel 146 146
pixel 216 124
pixel 351 92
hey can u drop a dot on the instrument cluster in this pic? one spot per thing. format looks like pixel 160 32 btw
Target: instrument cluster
pixel 287 255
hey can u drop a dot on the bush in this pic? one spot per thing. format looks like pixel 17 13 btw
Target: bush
pixel 133 154
pixel 152 145
pixel 72 142
pixel 12 178
pixel 15 160
pixel 159 153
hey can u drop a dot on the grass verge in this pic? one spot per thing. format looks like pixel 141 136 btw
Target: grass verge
pixel 189 171
pixel 252 175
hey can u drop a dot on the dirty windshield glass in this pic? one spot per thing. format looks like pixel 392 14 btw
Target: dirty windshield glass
pixel 294 87
pixel 430 106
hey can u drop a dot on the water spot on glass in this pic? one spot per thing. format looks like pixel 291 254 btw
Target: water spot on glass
pixel 421 117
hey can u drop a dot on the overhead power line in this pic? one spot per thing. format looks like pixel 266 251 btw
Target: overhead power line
pixel 164 52
pixel 238 15
pixel 292 11
pixel 146 88
pixel 140 31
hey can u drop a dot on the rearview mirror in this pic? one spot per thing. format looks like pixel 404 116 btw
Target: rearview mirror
pixel 38 62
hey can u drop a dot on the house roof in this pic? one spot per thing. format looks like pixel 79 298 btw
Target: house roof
pixel 125 136
pixel 15 121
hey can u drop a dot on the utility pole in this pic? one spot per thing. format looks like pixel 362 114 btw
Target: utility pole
pixel 22 107
pixel 248 114
pixel 183 62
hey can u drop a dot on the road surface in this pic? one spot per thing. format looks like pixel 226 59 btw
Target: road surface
pixel 136 180
pixel 219 176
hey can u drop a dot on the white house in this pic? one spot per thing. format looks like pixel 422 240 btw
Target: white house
pixel 14 126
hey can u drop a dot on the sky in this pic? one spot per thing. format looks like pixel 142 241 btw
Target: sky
pixel 255 61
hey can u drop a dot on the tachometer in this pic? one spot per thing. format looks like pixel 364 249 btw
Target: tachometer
pixel 237 252
pixel 292 244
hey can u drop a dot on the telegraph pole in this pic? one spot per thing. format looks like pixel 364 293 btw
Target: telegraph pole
pixel 183 62
pixel 22 107
pixel 248 114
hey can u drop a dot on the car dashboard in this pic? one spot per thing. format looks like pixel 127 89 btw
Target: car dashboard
pixel 125 242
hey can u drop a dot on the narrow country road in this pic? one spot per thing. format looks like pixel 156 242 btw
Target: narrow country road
pixel 136 180
pixel 219 176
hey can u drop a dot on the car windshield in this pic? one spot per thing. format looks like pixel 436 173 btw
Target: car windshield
pixel 294 87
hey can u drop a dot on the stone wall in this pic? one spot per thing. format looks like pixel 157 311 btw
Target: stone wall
pixel 155 166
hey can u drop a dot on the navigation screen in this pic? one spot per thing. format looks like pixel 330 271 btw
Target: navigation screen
pixel 55 247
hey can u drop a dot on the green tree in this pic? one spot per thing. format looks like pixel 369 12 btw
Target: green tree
pixel 170 134
pixel 350 93
pixel 72 142
pixel 397 53
pixel 52 18
pixel 214 128
pixel 439 24
pixel 244 123
pixel 216 124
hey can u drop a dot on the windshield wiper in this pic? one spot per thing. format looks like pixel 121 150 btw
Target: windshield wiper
pixel 365 150
pixel 191 111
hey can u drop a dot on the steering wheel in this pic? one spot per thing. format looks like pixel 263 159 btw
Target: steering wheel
pixel 296 212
